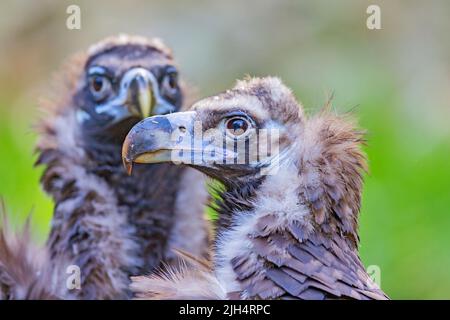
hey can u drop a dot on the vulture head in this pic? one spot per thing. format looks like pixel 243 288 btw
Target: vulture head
pixel 289 210
pixel 101 93
pixel 120 84
pixel 239 135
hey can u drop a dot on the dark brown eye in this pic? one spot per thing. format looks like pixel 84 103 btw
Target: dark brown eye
pixel 237 126
pixel 170 83
pixel 100 87
pixel 172 80
pixel 97 83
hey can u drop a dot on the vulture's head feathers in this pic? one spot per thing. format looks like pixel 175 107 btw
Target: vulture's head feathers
pixel 125 83
pixel 104 91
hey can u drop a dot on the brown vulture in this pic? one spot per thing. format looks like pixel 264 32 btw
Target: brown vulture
pixel 108 224
pixel 288 212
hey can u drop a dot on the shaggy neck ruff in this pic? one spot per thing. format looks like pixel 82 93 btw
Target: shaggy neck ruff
pixel 273 200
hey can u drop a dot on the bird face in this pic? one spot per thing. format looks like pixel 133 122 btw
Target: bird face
pixel 123 84
pixel 240 133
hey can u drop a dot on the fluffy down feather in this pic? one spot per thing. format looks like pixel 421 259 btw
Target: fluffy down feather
pixel 193 279
pixel 25 271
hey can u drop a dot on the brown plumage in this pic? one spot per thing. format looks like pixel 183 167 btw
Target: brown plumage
pixel 105 222
pixel 288 218
pixel 25 268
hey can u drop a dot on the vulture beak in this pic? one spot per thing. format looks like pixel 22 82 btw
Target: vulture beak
pixel 138 96
pixel 142 91
pixel 160 139
pixel 140 99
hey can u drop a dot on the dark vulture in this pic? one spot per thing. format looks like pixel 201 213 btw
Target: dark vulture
pixel 288 226
pixel 107 223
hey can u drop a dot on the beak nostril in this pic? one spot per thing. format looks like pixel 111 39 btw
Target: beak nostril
pixel 139 78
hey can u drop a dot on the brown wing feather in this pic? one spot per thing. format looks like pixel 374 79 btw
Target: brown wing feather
pixel 304 268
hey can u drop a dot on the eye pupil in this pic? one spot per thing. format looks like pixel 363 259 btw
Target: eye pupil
pixel 237 126
pixel 97 83
pixel 172 81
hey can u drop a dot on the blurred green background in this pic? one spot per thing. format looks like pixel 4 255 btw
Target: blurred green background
pixel 397 80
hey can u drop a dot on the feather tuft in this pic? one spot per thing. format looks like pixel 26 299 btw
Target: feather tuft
pixel 191 279
pixel 25 271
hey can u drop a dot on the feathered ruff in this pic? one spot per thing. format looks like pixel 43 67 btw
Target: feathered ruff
pixel 25 269
pixel 192 279
pixel 333 164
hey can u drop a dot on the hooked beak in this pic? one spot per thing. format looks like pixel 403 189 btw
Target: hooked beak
pixel 161 139
pixel 179 138
pixel 140 99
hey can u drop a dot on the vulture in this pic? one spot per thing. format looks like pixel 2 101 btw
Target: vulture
pixel 288 209
pixel 106 223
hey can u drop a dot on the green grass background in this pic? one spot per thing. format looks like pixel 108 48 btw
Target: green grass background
pixel 396 80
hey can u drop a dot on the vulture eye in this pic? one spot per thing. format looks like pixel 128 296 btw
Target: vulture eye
pixel 100 87
pixel 237 126
pixel 170 82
